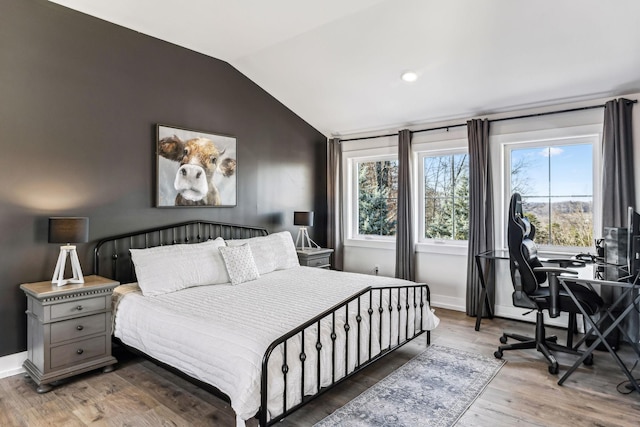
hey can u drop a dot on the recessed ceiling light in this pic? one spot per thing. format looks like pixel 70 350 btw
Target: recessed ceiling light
pixel 409 76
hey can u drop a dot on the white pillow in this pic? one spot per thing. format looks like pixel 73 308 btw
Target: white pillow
pixel 240 264
pixel 164 269
pixel 273 252
pixel 286 255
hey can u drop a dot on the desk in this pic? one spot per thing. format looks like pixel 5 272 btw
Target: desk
pixel 487 271
pixel 591 275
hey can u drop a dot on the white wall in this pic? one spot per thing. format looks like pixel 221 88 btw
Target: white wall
pixel 12 364
pixel 442 266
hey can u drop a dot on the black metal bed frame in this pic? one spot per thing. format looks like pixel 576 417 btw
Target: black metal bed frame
pixel 112 259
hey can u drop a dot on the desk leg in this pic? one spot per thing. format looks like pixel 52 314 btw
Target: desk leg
pixel 600 338
pixel 483 296
pixel 483 300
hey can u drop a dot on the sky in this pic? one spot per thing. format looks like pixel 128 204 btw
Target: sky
pixel 561 171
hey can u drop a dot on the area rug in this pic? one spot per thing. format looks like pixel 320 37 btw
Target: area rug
pixel 433 389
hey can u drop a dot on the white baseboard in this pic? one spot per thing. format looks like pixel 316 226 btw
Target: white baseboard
pixel 450 303
pixel 11 364
pixel 509 312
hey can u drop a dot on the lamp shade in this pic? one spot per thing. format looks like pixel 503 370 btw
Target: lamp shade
pixel 303 218
pixel 68 230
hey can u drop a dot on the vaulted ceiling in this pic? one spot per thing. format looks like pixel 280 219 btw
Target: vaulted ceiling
pixel 337 63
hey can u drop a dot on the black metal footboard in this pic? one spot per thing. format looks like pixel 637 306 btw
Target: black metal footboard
pixel 315 357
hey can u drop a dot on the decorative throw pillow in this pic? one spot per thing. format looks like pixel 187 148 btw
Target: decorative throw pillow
pixel 164 269
pixel 240 264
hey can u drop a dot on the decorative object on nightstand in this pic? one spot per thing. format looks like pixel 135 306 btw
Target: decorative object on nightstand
pixel 68 329
pixel 68 230
pixel 304 219
pixel 315 257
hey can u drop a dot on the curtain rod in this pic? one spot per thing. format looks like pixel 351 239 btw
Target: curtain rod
pixel 525 116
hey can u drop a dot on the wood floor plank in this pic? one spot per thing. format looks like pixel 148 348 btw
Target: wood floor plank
pixel 139 393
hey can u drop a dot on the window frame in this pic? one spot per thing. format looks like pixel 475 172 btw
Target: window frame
pixel 350 159
pixel 443 147
pixel 576 135
pixel 421 195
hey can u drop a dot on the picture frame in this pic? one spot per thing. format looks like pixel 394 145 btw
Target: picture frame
pixel 195 168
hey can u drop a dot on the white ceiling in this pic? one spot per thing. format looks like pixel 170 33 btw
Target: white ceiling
pixel 337 63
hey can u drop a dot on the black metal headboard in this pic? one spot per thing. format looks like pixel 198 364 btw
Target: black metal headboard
pixel 112 258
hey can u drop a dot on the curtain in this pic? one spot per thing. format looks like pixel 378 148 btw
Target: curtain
pixel 335 229
pixel 404 226
pixel 480 208
pixel 618 188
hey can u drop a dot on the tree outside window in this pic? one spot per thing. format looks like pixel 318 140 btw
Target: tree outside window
pixel 556 185
pixel 446 197
pixel 377 197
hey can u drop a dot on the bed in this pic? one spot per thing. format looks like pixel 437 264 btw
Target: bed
pixel 268 342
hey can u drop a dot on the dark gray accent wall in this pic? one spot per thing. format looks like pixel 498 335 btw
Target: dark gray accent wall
pixel 79 101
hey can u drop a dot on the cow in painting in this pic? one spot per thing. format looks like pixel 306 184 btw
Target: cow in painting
pixel 199 160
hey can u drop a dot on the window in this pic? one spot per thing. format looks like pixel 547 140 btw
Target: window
pixel 555 179
pixel 377 197
pixel 445 184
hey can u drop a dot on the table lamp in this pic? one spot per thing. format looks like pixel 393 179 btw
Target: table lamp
pixel 304 219
pixel 68 230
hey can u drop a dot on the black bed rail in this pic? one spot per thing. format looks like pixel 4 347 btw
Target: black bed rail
pixel 415 298
pixel 117 247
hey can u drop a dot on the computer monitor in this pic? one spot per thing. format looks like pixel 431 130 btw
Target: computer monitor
pixel 633 240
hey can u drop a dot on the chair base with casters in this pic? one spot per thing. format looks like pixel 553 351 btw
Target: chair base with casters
pixel 542 343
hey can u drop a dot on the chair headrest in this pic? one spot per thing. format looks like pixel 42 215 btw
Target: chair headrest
pixel 517 217
pixel 515 205
pixel 515 209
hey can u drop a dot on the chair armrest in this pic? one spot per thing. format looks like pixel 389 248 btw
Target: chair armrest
pixel 554 270
pixel 554 286
pixel 567 262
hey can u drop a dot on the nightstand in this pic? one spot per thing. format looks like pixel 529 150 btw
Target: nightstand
pixel 68 329
pixel 318 257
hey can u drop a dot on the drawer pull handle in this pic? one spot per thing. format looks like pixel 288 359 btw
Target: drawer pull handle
pixel 79 308
pixel 79 327
pixel 79 351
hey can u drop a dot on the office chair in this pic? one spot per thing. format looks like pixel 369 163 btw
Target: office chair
pixel 527 275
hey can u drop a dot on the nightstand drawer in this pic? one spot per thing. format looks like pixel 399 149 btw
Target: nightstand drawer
pixel 76 352
pixel 78 308
pixel 318 262
pixel 78 328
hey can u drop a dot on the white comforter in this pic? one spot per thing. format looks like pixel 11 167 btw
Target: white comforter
pixel 219 333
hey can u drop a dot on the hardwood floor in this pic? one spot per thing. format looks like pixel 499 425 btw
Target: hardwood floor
pixel 139 393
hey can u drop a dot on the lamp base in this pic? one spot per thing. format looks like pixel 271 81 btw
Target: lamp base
pixel 58 274
pixel 305 240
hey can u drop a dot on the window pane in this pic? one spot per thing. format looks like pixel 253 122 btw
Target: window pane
pixel 530 171
pixel 446 197
pixel 556 184
pixel 377 197
pixel 572 222
pixel 537 210
pixel 437 173
pixel 571 171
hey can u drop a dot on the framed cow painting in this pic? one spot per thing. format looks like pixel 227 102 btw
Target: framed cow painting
pixel 195 168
